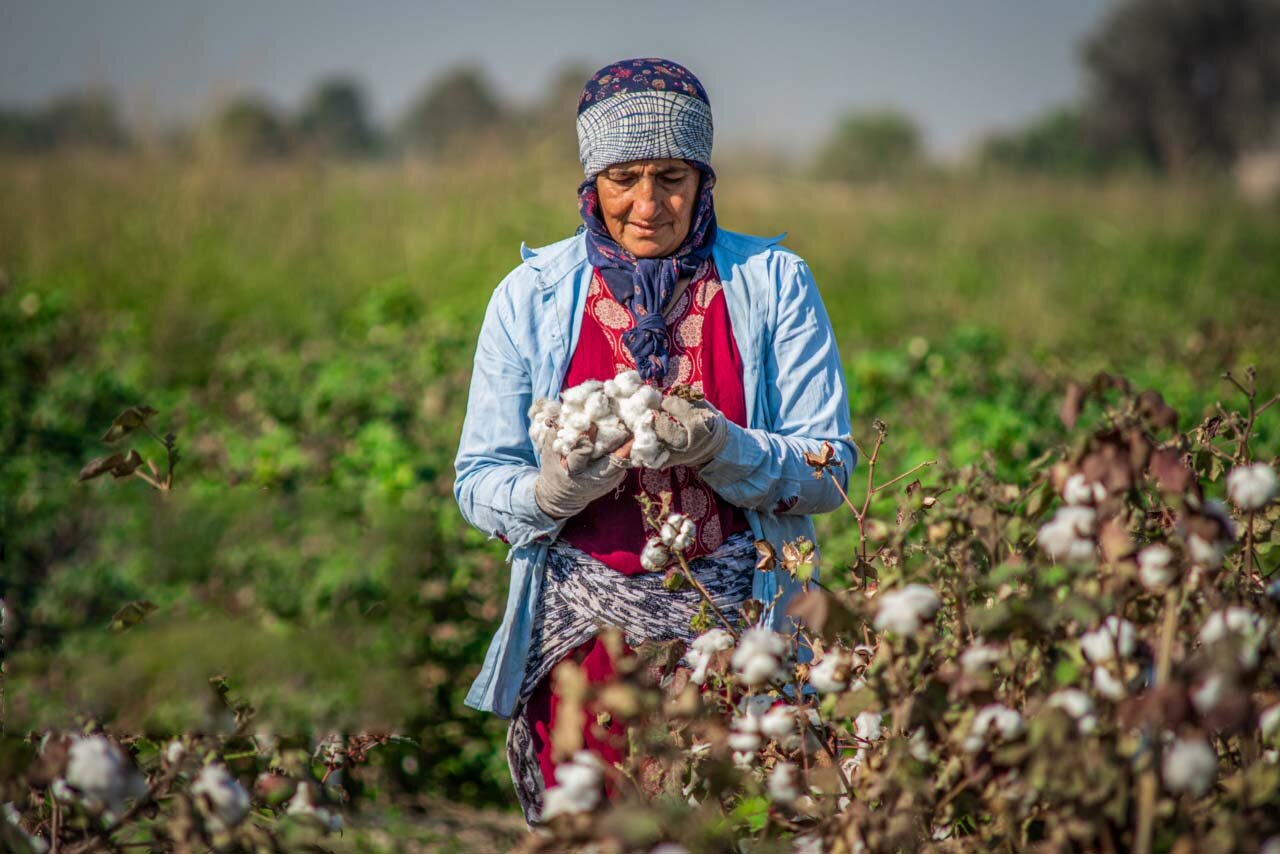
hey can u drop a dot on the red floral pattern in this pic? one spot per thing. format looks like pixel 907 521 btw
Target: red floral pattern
pixel 703 355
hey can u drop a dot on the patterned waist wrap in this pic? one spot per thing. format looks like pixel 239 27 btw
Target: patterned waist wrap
pixel 581 595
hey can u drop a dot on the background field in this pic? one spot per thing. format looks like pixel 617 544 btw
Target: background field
pixel 306 329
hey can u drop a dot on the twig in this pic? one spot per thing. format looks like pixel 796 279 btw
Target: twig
pixel 688 574
pixel 1147 784
pixel 912 471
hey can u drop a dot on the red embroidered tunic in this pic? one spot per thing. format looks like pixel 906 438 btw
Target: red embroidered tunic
pixel 702 354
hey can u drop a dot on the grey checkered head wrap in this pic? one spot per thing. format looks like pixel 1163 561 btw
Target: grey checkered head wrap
pixel 639 109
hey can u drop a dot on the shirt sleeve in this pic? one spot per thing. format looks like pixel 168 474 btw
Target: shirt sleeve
pixel 807 403
pixel 496 465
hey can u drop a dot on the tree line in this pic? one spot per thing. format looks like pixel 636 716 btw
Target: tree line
pixel 1173 86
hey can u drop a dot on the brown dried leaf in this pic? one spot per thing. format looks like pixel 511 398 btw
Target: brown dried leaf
pixel 128 421
pixel 768 555
pixel 1169 470
pixel 100 466
pixel 1072 403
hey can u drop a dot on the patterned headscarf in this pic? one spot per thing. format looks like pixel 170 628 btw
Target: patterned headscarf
pixel 625 122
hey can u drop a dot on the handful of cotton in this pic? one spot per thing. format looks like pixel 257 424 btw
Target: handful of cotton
pixel 605 415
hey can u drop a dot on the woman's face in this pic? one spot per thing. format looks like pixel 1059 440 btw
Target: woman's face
pixel 647 205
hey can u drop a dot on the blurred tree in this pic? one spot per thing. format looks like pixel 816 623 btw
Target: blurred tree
pixel 88 119
pixel 250 127
pixel 24 131
pixel 334 119
pixel 456 108
pixel 871 145
pixel 1060 142
pixel 1187 81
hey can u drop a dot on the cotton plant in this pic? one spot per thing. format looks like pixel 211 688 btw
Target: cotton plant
pixel 1251 487
pixel 99 775
pixel 223 800
pixel 907 610
pixel 578 789
pixel 761 658
pixel 1068 537
pixel 1156 567
pixel 1189 767
pixel 702 648
pixel 993 723
pixel 1247 629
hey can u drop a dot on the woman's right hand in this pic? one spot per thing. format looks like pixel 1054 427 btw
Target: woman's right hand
pixel 561 494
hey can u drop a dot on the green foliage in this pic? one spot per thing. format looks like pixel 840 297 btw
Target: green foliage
pixel 871 146
pixel 251 127
pixel 1058 143
pixel 1187 83
pixel 451 111
pixel 334 119
pixel 307 334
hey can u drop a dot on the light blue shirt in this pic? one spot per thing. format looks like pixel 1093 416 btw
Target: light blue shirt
pixel 795 394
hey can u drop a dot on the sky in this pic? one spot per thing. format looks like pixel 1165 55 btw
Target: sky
pixel 778 74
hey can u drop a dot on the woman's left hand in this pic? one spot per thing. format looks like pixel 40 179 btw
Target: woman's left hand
pixel 693 430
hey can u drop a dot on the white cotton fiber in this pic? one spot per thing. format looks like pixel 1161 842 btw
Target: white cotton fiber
pixel 597 406
pixel 628 383
pixel 605 414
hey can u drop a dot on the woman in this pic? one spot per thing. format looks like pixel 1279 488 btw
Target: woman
pixel 651 284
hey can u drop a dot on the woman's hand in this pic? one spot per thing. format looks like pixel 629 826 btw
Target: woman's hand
pixel 566 485
pixel 693 430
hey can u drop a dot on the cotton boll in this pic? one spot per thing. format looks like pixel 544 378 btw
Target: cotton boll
pixel 830 675
pixel 703 647
pixel 1208 695
pixel 222 796
pixel 1249 630
pixel 1155 569
pixel 654 556
pixel 1205 553
pixel 302 807
pixel 1108 684
pixel 99 771
pixel 678 533
pixel 577 788
pixel 543 416
pixel 628 383
pixel 759 657
pixel 1190 765
pixel 647 450
pixel 784 784
pixel 1251 487
pixel 993 721
pixel 1269 722
pixel 869 725
pixel 978 658
pixel 904 610
pixel 611 434
pixel 779 723
pixel 597 405
pixel 576 419
pixel 1079 491
pixel 577 395
pixel 918 745
pixel 1102 644
pixel 744 737
pixel 1067 537
pixel 567 439
pixel 1078 705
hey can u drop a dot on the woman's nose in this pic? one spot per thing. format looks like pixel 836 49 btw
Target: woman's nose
pixel 645 205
